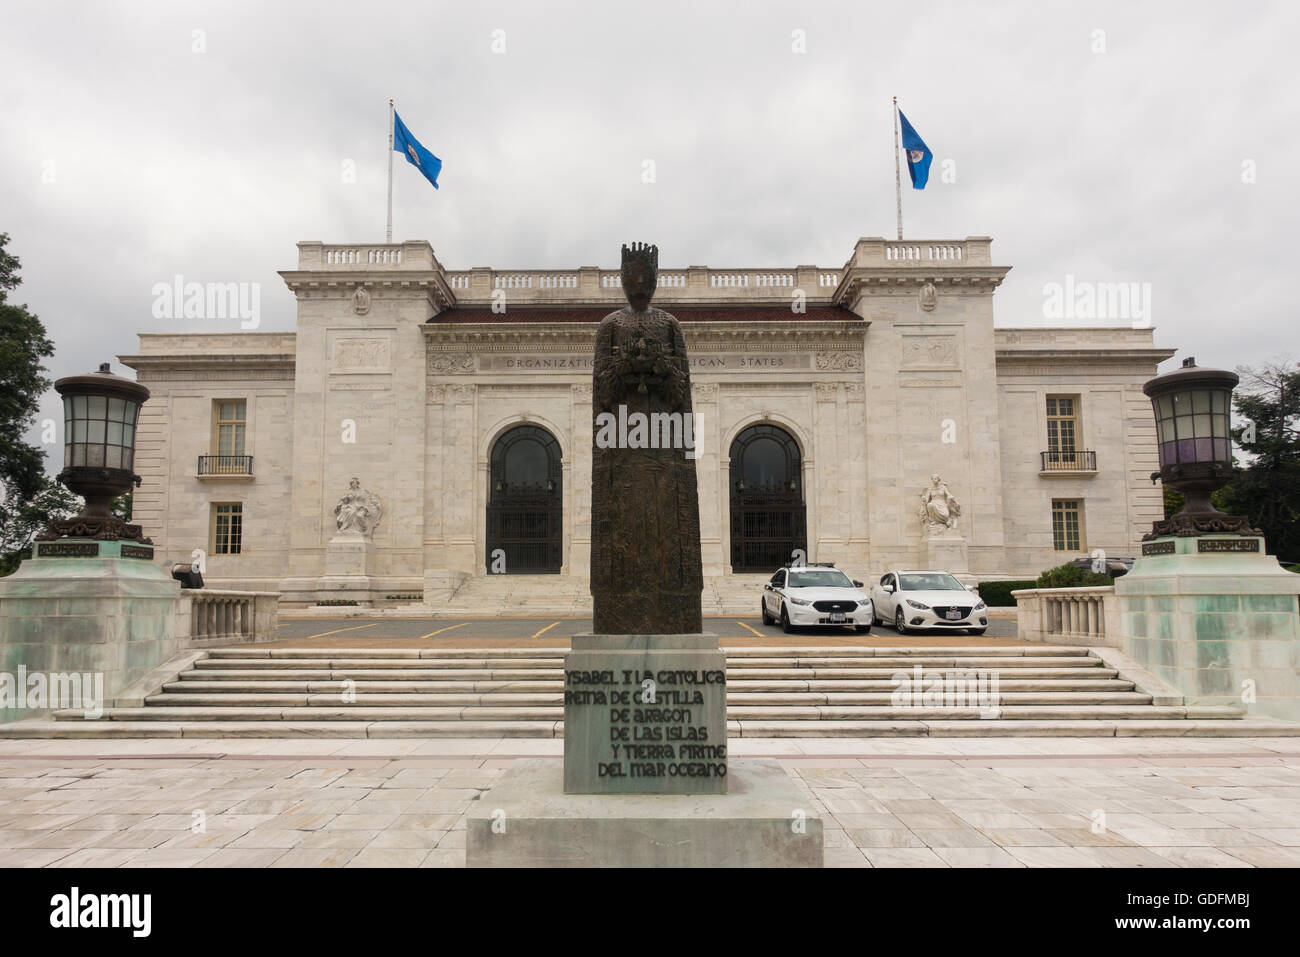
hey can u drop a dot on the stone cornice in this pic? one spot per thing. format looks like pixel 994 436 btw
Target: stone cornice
pixel 700 337
pixel 339 284
pixel 907 280
pixel 1138 355
pixel 212 366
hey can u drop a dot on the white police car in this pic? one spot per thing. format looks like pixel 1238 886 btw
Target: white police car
pixel 817 594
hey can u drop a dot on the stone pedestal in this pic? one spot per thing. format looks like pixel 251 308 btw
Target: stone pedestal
pixel 527 820
pixel 945 553
pixel 348 560
pixel 1210 614
pixel 99 612
pixel 348 556
pixel 645 714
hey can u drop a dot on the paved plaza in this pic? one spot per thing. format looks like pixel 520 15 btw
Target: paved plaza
pixel 1037 802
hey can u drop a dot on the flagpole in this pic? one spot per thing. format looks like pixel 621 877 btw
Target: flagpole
pixel 898 175
pixel 391 112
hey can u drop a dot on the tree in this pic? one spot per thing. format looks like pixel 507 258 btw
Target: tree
pixel 23 344
pixel 1267 487
pixel 25 520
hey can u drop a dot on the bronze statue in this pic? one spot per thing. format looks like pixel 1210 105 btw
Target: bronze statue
pixel 645 515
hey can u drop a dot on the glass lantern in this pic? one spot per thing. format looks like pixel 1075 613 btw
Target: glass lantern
pixel 100 412
pixel 1193 412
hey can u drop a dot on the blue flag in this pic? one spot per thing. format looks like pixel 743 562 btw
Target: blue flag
pixel 406 144
pixel 918 154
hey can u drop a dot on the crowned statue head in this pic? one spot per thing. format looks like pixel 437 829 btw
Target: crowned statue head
pixel 640 274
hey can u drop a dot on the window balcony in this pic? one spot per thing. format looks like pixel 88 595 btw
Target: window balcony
pixel 237 468
pixel 1068 464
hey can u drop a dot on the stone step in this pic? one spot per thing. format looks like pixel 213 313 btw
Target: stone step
pixel 994 728
pixel 740 664
pixel 860 679
pixel 775 652
pixel 200 685
pixel 757 699
pixel 772 713
pixel 557 674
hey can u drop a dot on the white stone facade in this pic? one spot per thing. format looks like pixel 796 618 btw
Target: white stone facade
pixel 404 374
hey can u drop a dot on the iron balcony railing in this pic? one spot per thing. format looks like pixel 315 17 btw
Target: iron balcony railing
pixel 225 465
pixel 1071 461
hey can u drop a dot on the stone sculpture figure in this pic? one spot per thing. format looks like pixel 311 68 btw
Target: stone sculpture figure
pixel 358 511
pixel 646 575
pixel 939 511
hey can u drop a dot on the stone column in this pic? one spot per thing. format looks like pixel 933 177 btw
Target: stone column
pixel 708 443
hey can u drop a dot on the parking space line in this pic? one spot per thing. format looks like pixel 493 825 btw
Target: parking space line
pixel 743 625
pixel 546 629
pixel 441 630
pixel 339 630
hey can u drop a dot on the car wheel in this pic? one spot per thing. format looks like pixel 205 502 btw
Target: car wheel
pixel 900 624
pixel 785 622
pixel 862 629
pixel 767 619
pixel 978 631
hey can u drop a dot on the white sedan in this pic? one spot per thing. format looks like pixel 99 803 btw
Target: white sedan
pixel 801 595
pixel 927 599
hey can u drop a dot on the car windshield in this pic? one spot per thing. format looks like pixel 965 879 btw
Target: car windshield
pixel 930 581
pixel 819 578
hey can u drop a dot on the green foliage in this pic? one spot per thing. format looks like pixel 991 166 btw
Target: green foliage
pixel 998 594
pixel 1071 576
pixel 23 520
pixel 1267 488
pixel 23 344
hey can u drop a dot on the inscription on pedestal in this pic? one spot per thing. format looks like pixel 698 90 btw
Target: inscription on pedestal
pixel 1158 548
pixel 645 722
pixel 1228 545
pixel 67 550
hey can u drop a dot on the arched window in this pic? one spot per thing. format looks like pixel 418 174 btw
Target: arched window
pixel 525 530
pixel 767 509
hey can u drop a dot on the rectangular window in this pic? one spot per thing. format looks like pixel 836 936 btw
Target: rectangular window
pixel 1066 524
pixel 227 528
pixel 231 420
pixel 1062 423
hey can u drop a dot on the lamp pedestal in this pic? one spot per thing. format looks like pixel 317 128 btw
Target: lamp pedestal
pixel 1210 613
pixel 86 614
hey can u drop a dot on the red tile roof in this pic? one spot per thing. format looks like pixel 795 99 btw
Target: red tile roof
pixel 684 313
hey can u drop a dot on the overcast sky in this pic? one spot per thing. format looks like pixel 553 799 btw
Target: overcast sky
pixel 1105 141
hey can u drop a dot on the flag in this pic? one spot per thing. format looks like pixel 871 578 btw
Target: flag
pixel 918 154
pixel 406 144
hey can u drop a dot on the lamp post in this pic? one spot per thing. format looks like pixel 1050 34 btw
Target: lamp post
pixel 100 411
pixel 1193 411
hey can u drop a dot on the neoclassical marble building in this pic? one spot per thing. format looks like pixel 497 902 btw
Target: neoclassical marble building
pixel 828 397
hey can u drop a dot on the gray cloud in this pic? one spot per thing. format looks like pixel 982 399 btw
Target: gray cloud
pixel 1115 166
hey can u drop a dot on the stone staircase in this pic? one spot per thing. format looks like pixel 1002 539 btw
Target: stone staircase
pixel 565 596
pixel 772 692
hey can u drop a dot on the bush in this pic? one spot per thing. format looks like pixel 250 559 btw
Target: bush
pixel 1071 576
pixel 998 594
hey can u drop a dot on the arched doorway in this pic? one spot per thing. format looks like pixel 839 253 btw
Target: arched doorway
pixel 525 504
pixel 767 509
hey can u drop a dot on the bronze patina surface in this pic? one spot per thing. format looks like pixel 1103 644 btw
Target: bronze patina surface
pixel 646 576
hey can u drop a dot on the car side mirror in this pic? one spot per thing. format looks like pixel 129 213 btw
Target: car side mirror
pixel 890 589
pixel 857 584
